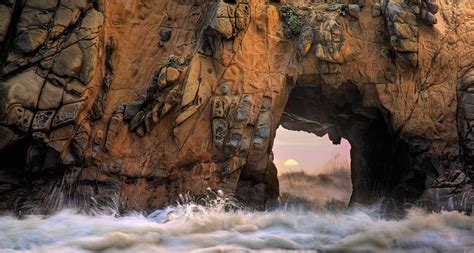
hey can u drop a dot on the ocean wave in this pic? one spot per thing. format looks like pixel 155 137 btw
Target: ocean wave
pixel 195 228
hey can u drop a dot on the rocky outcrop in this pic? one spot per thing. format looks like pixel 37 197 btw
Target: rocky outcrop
pixel 137 102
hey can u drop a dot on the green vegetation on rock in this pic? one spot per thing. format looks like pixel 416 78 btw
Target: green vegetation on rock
pixel 170 62
pixel 292 21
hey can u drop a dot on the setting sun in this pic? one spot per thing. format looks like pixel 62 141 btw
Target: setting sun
pixel 291 163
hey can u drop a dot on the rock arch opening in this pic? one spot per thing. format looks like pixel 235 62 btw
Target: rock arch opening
pixel 378 161
pixel 312 171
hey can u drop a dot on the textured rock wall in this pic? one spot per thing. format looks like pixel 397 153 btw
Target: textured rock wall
pixel 136 102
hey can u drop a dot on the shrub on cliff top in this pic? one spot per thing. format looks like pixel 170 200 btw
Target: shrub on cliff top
pixel 292 21
pixel 170 62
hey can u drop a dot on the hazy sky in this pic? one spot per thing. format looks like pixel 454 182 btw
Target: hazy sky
pixel 311 152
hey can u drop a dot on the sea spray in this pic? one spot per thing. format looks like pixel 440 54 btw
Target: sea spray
pixel 216 227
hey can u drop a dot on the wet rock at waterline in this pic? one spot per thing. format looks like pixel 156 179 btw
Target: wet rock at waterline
pixel 190 95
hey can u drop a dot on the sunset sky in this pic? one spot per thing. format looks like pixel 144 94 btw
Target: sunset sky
pixel 310 152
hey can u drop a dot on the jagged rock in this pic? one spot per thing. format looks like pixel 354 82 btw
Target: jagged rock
pixel 354 10
pixel 223 20
pixel 115 124
pixel 79 143
pixel 403 29
pixel 67 114
pixel 90 25
pixel 51 97
pixel 140 131
pixel 31 19
pixel 73 4
pixel 165 36
pixel 419 145
pixel 453 178
pixel 149 122
pixel 132 109
pixel 244 108
pixel 69 61
pixel 242 17
pixel 7 136
pixel 19 117
pixel 219 132
pixel 376 10
pixel 168 76
pixel 5 17
pixel 29 41
pixel 172 75
pixel 89 50
pixel 97 142
pixel 63 19
pixel 43 5
pixel 431 6
pixel 185 115
pixel 429 18
pixel 42 121
pixel 403 45
pixel 385 83
pixel 330 50
pixel 58 138
pixel 172 97
pixel 23 89
pixel 235 137
pixel 137 120
pixel 92 21
pixel 40 137
pixel 447 199
pixel 257 143
pixel 219 108
pixel 263 131
pixel 157 112
pixel 73 92
pixel 305 41
pixel 200 75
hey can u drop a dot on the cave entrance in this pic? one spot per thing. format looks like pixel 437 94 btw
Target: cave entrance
pixel 377 163
pixel 312 171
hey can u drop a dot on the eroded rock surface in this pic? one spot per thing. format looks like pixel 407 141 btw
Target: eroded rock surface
pixel 136 102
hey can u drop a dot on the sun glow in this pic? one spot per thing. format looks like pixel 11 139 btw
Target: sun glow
pixel 291 163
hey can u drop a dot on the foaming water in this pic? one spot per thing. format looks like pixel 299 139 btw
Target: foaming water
pixel 195 228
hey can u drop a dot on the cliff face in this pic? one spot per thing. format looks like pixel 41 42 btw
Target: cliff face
pixel 139 101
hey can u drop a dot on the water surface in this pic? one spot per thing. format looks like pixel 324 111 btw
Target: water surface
pixel 193 228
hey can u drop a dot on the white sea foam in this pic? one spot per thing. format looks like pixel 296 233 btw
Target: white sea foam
pixel 187 228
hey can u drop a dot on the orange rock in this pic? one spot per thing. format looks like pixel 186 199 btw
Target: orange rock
pixel 231 77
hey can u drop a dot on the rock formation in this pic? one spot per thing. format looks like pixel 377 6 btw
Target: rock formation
pixel 136 102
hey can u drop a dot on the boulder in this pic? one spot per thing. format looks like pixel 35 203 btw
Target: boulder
pixel 132 109
pixel 23 89
pixel 51 97
pixel 69 61
pixel 168 76
pixel 5 16
pixel 42 121
pixel 92 21
pixel 29 41
pixel 42 5
pixel 137 120
pixel 242 17
pixel 18 117
pixel 7 136
pixel 114 127
pixel 354 10
pixel 67 114
pixel 223 20
pixel 219 132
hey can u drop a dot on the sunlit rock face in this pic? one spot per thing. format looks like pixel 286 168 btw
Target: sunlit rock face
pixel 135 102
